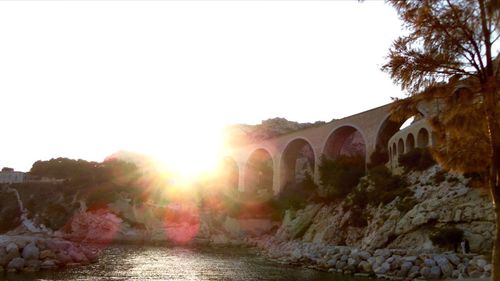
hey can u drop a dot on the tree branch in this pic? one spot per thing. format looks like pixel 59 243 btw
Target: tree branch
pixel 468 34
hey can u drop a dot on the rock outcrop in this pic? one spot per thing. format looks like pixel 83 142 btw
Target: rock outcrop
pixel 33 253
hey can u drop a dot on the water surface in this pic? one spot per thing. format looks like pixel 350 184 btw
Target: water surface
pixel 131 262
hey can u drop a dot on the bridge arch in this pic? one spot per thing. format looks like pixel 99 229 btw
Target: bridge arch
pixel 259 172
pixel 422 138
pixel 387 128
pixel 401 147
pixel 345 140
pixel 297 159
pixel 410 142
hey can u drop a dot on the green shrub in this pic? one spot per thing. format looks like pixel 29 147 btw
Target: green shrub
pixel 10 217
pixel 295 196
pixel 378 157
pixel 383 179
pixel 445 237
pixel 385 187
pixel 56 216
pixel 418 159
pixel 340 176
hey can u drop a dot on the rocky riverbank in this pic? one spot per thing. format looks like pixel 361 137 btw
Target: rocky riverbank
pixel 33 253
pixel 392 264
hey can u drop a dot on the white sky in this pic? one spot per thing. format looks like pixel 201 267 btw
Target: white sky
pixel 84 79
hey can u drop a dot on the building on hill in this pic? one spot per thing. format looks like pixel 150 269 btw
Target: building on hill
pixel 8 175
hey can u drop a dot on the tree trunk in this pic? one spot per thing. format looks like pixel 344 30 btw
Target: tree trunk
pixel 494 176
pixel 495 273
pixel 495 195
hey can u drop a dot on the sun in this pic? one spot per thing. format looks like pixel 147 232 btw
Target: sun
pixel 189 155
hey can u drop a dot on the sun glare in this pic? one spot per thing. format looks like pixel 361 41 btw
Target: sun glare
pixel 191 154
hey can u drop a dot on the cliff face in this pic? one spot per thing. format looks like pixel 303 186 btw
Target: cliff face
pixel 450 203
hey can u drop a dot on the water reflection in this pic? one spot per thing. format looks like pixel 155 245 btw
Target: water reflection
pixel 161 263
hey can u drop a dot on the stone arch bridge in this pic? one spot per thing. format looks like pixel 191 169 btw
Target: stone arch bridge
pixel 359 134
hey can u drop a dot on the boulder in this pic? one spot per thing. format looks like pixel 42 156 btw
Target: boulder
pixel 453 258
pixel 331 262
pixel 48 264
pixel 488 267
pixel 353 261
pixel 405 268
pixel 382 269
pixel 340 265
pixel 379 260
pixel 444 265
pixel 429 262
pixel 481 263
pixel 16 264
pixel 425 272
pixel 33 265
pixel 76 255
pixel 414 272
pixel 3 256
pixel 91 254
pixel 58 245
pixel 365 267
pixel 385 253
pixel 409 258
pixel 31 252
pixel 364 255
pixel 435 272
pixel 63 258
pixel 12 252
pixel 45 254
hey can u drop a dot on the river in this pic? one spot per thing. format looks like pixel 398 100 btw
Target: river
pixel 131 262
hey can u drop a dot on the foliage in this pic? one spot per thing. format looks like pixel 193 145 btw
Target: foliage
pixel 295 196
pixel 444 237
pixel 380 186
pixel 339 177
pixel 56 215
pixel 445 38
pixel 378 157
pixel 383 179
pixel 447 55
pixel 9 211
pixel 418 159
pixel 99 183
pixel 9 218
pixel 84 172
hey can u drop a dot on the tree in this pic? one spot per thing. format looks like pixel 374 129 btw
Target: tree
pixel 448 55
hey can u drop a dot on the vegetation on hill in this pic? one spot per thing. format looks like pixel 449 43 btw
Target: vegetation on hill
pixel 243 134
pixel 339 176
